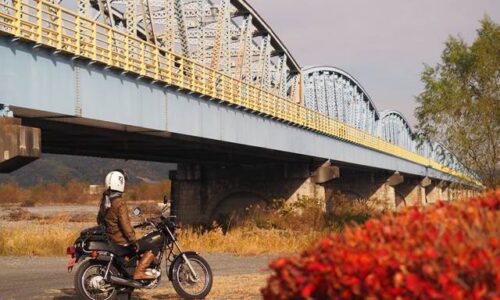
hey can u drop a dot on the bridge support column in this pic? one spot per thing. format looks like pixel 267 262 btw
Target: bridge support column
pixel 434 192
pixel 412 192
pixel 203 193
pixel 385 190
pixel 446 191
pixel 462 192
pixel 19 145
pixel 456 192
pixel 386 196
pixel 364 186
pixel 186 192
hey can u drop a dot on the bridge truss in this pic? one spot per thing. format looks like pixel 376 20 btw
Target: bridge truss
pixel 335 93
pixel 220 49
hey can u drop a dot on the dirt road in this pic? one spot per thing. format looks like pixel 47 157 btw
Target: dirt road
pixel 46 278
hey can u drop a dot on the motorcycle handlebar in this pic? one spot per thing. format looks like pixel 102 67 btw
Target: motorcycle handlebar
pixel 143 224
pixel 153 222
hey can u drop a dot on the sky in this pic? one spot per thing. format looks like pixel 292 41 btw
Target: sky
pixel 383 44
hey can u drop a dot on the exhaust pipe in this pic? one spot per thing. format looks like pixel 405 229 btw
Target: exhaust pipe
pixel 125 282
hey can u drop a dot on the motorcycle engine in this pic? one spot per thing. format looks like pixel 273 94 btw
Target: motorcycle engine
pixel 157 274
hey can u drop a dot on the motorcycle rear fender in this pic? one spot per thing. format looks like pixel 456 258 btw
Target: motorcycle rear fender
pixel 98 246
pixel 100 256
pixel 171 268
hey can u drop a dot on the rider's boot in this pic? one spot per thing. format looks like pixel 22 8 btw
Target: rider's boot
pixel 146 259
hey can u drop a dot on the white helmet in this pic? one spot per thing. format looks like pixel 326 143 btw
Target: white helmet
pixel 115 181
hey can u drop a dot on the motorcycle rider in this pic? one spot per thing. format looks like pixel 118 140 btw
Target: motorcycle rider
pixel 113 214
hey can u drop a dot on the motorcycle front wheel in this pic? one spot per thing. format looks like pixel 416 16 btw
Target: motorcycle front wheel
pixel 185 283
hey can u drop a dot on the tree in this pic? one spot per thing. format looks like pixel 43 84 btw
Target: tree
pixel 460 104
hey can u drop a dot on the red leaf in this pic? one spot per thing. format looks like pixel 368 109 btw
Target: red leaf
pixel 413 283
pixel 307 290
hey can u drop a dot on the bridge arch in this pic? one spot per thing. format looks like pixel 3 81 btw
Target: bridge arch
pixel 395 128
pixel 234 204
pixel 423 147
pixel 335 93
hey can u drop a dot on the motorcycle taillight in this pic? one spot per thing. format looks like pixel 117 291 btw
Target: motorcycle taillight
pixel 71 250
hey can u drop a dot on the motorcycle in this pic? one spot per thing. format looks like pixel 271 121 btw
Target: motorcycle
pixel 107 269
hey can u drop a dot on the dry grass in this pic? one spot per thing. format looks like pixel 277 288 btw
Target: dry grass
pixel 32 239
pixel 22 214
pixel 244 241
pixel 51 240
pixel 280 228
pixel 305 215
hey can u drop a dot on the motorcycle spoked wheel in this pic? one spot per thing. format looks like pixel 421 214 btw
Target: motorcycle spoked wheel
pixel 90 284
pixel 185 285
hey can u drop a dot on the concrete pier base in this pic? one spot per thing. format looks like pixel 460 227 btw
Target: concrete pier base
pixel 204 193
pixel 19 145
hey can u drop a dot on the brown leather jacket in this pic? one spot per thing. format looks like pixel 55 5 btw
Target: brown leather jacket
pixel 117 222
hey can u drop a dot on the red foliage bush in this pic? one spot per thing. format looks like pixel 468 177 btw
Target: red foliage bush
pixel 446 251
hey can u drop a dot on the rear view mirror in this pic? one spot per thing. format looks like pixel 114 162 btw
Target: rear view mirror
pixel 137 211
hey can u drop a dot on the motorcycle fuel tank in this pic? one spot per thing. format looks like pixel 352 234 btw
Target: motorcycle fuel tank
pixel 152 240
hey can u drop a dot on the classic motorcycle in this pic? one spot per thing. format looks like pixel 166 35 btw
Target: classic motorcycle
pixel 107 269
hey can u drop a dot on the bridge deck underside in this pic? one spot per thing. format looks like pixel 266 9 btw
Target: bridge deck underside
pixel 62 136
pixel 73 91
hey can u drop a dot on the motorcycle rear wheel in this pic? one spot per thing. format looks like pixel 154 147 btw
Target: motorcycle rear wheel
pixel 182 279
pixel 90 284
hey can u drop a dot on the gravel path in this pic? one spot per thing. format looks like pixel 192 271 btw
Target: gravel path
pixel 46 278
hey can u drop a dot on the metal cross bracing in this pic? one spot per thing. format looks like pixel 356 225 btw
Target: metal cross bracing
pixel 220 49
pixel 209 32
pixel 394 128
pixel 335 93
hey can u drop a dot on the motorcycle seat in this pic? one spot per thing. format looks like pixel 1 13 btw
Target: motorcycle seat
pixel 110 246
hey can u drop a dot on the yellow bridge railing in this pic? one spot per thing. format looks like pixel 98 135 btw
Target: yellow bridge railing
pixel 50 25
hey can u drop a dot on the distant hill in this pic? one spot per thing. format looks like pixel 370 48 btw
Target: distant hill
pixel 63 168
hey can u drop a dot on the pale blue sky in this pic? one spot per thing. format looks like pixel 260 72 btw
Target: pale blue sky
pixel 382 43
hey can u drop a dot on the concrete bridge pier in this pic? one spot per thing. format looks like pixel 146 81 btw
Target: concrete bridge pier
pixel 435 192
pixel 203 193
pixel 412 191
pixel 207 192
pixel 453 191
pixel 366 186
pixel 19 145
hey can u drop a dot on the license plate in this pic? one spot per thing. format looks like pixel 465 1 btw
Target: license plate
pixel 71 263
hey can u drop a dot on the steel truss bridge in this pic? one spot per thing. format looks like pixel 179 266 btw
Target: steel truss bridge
pixel 221 51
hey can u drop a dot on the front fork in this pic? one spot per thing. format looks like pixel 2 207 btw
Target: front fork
pixel 184 256
pixel 188 263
